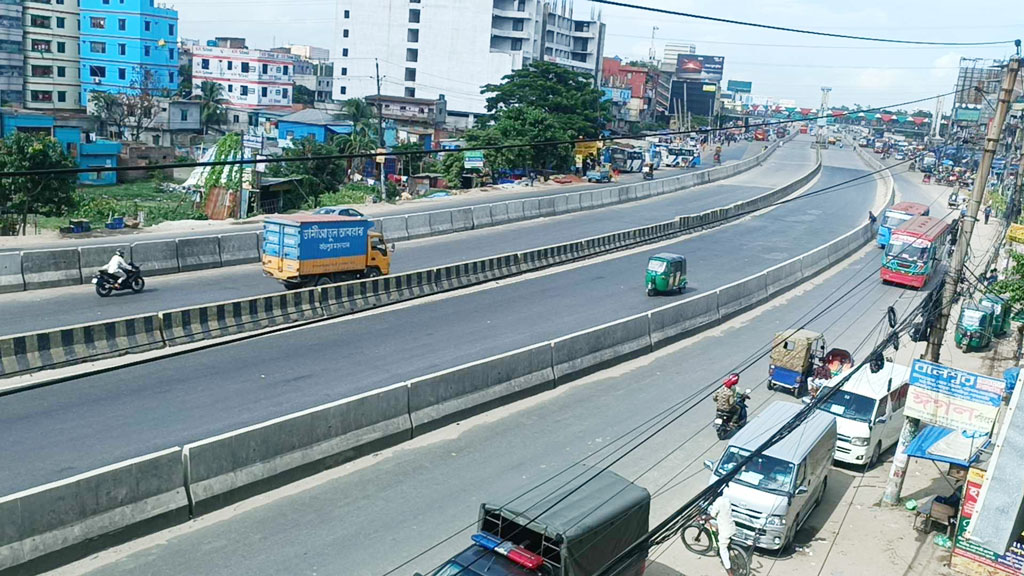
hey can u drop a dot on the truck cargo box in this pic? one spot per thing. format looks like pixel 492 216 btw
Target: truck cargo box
pixel 310 244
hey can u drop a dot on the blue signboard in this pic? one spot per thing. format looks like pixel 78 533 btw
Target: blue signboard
pixel 959 384
pixel 332 240
pixel 617 95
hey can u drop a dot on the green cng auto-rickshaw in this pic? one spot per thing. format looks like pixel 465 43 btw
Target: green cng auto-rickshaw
pixel 974 328
pixel 666 272
pixel 1000 313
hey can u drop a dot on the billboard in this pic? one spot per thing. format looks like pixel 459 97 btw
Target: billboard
pixel 697 98
pixel 740 86
pixel 700 67
pixel 953 398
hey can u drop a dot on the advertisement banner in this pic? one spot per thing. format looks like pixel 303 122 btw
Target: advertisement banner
pixel 953 398
pixel 970 558
pixel 700 67
pixel 473 159
pixel 740 86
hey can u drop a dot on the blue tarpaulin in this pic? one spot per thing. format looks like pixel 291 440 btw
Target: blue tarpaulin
pixel 944 445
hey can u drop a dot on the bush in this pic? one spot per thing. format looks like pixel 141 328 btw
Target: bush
pixel 352 193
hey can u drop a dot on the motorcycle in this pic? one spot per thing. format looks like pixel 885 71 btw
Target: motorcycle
pixel 107 283
pixel 648 175
pixel 725 424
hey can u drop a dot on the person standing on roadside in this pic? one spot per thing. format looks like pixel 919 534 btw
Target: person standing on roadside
pixel 988 213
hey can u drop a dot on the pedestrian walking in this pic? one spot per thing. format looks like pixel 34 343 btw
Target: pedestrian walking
pixel 988 213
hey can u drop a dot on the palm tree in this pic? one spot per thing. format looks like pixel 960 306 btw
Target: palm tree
pixel 358 142
pixel 211 112
pixel 361 115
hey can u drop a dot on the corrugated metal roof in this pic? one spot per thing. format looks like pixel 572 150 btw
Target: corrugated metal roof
pixel 315 117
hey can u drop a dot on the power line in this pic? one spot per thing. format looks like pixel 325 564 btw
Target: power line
pixel 355 156
pixel 794 30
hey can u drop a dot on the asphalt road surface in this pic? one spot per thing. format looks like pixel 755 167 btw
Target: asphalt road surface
pixel 45 309
pixel 61 430
pixel 368 517
pixel 729 154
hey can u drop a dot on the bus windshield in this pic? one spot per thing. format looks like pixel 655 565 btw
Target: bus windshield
pixel 900 249
pixel 893 219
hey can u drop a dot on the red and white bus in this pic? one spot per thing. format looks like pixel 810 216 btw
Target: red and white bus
pixel 915 251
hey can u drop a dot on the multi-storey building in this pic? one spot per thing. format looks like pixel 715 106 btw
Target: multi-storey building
pixel 574 44
pixel 431 49
pixel 128 45
pixel 12 62
pixel 251 78
pixel 313 70
pixel 51 54
pixel 310 52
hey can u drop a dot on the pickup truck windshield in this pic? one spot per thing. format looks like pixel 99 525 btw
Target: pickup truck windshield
pixel 763 472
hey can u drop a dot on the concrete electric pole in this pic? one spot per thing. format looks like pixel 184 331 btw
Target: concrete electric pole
pixel 820 133
pixel 956 269
pixel 380 137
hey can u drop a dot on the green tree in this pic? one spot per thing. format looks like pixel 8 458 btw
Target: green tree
pixel 211 112
pixel 110 112
pixel 452 167
pixel 303 95
pixel 524 125
pixel 47 195
pixel 361 115
pixel 316 177
pixel 413 162
pixel 185 80
pixel 569 97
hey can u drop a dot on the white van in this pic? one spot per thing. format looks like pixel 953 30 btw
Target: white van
pixel 869 413
pixel 777 490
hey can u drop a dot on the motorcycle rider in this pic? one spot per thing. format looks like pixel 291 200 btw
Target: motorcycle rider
pixel 117 267
pixel 726 398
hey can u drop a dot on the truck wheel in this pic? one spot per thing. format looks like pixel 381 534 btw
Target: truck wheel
pixel 371 273
pixel 323 281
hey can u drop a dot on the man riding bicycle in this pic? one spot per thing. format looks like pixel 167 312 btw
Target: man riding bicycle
pixel 721 511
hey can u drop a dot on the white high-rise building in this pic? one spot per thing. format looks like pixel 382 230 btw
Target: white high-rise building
pixel 447 47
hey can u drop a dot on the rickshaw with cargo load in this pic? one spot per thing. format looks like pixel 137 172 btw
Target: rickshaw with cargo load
pixel 799 361
pixel 665 272
pixel 973 328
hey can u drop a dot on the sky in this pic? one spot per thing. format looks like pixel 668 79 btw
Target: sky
pixel 781 65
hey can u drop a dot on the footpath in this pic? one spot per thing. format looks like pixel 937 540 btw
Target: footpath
pixel 852 533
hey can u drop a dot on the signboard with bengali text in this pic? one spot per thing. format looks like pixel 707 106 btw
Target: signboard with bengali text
pixel 953 398
pixel 970 558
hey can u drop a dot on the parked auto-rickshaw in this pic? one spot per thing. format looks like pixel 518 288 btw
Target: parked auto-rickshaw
pixel 1000 313
pixel 666 272
pixel 973 328
pixel 795 355
pixel 600 174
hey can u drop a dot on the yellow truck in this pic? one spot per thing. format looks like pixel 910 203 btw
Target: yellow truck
pixel 303 250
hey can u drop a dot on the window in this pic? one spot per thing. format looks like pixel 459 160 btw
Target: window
pixel 410 92
pixel 517 44
pixel 122 74
pixel 61 71
pixel 170 54
pixel 42 71
pixel 264 69
pixel 170 29
pixel 344 33
pixel 517 25
pixel 60 22
pixel 410 74
pixel 184 114
pixel 234 118
pixel 41 96
pixel 122 24
pixel 344 51
pixel 147 25
pixel 413 36
pixel 231 88
pixel 412 55
pixel 414 15
pixel 98 23
pixel 243 90
pixel 97 71
pixel 122 49
pixel 898 397
pixel 156 139
pixel 263 91
pixel 145 50
pixel 284 93
pixel 37 21
pixel 40 45
pixel 344 71
pixel 61 47
pixel 342 90
pixel 284 70
pixel 98 47
pixel 62 96
pixel 170 77
pixel 229 64
pixel 245 67
pixel 883 404
pixel 205 64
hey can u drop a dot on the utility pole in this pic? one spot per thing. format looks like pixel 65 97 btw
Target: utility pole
pixel 380 136
pixel 653 54
pixel 822 122
pixel 956 269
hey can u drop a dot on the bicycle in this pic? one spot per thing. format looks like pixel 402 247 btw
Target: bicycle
pixel 701 538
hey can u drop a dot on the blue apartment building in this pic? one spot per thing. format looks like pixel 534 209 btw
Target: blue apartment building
pixel 121 40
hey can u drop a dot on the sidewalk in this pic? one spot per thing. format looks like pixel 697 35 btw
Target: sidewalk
pixel 851 533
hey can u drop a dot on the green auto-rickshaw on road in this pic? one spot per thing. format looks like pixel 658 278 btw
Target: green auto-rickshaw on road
pixel 1000 313
pixel 666 272
pixel 974 328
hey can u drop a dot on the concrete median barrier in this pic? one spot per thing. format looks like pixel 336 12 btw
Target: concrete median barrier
pixel 50 268
pixel 547 256
pixel 92 258
pixel 814 261
pixel 462 219
pixel 233 466
pixel 186 325
pixel 560 204
pixel 481 216
pixel 499 213
pixel 11 279
pixel 672 322
pixel 783 276
pixel 198 253
pixel 572 202
pixel 156 257
pixel 439 399
pixel 586 352
pixel 394 228
pixel 516 211
pixel 440 222
pixel 586 200
pixel 360 295
pixel 34 351
pixel 418 225
pixel 742 295
pixel 464 274
pixel 51 525
pixel 240 248
pixel 531 208
pixel 547 206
